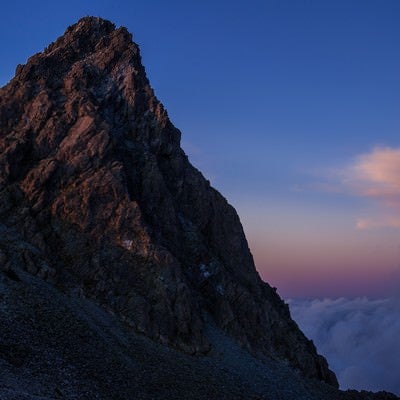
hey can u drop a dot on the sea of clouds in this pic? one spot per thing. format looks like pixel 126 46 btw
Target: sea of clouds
pixel 359 337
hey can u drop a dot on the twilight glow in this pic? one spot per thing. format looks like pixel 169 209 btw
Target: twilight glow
pixel 329 254
pixel 333 234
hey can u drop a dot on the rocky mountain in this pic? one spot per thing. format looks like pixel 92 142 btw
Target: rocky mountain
pixel 113 237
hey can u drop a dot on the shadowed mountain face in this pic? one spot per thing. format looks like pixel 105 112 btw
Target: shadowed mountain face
pixel 98 199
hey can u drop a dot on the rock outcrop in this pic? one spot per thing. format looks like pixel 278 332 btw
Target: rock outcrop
pixel 98 199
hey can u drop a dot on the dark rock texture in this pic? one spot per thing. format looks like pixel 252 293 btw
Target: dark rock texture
pixel 98 199
pixel 58 346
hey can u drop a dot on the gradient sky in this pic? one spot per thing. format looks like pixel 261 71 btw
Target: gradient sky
pixel 290 108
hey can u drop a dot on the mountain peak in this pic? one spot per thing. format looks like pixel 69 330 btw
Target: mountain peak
pixel 92 176
pixel 90 37
pixel 91 23
pixel 94 28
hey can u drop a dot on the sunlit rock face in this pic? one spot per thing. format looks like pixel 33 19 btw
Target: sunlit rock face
pixel 98 198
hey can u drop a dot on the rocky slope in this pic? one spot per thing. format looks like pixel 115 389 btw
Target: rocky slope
pixel 99 201
pixel 55 346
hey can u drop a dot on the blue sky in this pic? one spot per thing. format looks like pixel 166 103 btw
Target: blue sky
pixel 290 108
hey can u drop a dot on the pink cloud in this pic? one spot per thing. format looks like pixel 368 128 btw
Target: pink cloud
pixel 376 175
pixel 378 222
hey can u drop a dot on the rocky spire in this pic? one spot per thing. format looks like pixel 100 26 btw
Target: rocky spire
pixel 92 176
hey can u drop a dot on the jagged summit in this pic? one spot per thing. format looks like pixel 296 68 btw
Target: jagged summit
pixel 91 28
pixel 92 25
pixel 88 31
pixel 94 182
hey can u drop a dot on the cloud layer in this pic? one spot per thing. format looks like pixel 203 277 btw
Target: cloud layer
pixel 359 337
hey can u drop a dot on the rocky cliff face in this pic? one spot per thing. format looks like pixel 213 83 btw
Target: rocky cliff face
pixel 98 198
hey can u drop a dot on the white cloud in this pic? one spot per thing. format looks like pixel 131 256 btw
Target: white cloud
pixel 359 337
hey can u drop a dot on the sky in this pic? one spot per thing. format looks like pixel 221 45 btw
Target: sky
pixel 291 110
